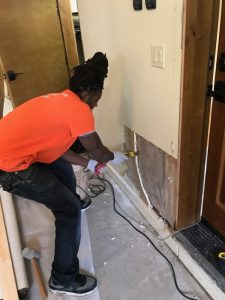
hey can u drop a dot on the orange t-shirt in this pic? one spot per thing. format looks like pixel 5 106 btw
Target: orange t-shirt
pixel 42 129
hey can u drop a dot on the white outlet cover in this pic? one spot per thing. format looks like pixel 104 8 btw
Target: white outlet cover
pixel 158 56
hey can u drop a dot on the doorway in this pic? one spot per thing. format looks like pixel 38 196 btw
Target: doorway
pixel 206 240
pixel 214 194
pixel 77 30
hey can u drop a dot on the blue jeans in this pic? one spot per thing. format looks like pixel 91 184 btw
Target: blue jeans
pixel 53 185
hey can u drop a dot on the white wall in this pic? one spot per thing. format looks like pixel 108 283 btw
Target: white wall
pixel 73 5
pixel 7 106
pixel 144 98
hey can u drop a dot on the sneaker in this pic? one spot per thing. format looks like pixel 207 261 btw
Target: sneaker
pixel 85 203
pixel 83 286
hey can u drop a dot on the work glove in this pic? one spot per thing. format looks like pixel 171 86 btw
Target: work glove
pixel 119 157
pixel 95 167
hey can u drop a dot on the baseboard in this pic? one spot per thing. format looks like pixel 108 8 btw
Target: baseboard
pixel 161 227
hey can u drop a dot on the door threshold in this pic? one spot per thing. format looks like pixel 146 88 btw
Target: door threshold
pixel 204 244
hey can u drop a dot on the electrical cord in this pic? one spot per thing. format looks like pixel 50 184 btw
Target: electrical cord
pixel 97 189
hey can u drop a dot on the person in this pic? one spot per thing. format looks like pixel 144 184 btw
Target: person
pixel 35 162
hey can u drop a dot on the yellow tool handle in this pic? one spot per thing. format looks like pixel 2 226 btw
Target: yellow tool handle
pixel 131 153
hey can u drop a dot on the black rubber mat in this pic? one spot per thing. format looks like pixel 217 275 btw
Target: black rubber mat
pixel 204 245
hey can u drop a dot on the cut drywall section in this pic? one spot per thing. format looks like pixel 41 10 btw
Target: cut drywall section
pixel 158 173
pixel 138 95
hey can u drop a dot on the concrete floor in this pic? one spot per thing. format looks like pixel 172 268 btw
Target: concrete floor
pixel 126 265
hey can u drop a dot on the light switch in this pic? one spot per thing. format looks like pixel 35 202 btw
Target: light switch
pixel 158 56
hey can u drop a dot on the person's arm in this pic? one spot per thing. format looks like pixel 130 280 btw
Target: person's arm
pixel 89 164
pixel 75 159
pixel 93 144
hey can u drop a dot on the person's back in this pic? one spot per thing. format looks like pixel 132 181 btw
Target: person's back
pixel 42 129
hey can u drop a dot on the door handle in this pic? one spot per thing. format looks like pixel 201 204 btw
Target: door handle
pixel 11 75
pixel 219 91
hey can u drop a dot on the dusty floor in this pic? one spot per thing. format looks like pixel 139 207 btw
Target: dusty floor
pixel 126 265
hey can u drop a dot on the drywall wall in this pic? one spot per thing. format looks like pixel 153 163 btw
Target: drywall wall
pixel 138 95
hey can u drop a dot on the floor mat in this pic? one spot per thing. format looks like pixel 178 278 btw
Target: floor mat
pixel 203 244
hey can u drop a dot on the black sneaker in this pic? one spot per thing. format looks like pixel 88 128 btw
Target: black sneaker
pixel 85 203
pixel 83 286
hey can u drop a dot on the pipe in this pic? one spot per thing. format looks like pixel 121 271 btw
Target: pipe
pixel 139 173
pixel 14 243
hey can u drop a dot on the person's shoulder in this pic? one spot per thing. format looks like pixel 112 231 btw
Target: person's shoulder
pixel 75 102
pixel 68 94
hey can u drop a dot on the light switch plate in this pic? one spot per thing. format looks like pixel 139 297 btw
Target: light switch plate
pixel 158 56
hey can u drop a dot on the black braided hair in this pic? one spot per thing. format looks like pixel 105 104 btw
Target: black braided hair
pixel 90 75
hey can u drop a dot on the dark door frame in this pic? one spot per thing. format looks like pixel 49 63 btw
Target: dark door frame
pixel 199 34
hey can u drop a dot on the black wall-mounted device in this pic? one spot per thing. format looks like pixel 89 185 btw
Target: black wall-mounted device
pixel 137 4
pixel 150 4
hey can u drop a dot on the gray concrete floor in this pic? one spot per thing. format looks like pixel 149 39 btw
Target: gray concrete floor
pixel 126 265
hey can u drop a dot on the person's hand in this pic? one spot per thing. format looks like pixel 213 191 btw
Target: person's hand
pixel 91 165
pixel 96 167
pixel 119 157
pixel 100 168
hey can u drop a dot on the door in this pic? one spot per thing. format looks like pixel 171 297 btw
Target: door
pixel 32 44
pixel 214 199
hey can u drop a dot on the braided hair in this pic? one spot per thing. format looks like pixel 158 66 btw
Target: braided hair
pixel 90 75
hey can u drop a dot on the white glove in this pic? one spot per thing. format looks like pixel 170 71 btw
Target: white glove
pixel 91 165
pixel 119 157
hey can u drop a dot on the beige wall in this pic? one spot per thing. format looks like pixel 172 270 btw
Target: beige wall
pixel 142 97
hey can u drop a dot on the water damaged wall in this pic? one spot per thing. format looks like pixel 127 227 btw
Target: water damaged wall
pixel 158 172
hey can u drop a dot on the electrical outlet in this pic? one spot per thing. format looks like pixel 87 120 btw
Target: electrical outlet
pixel 158 56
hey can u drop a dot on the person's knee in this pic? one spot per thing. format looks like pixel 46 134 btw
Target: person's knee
pixel 73 208
pixel 76 208
pixel 69 208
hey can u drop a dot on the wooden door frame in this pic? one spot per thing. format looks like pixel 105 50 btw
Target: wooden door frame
pixel 68 33
pixel 198 44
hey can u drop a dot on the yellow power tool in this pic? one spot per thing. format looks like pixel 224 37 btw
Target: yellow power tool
pixel 131 153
